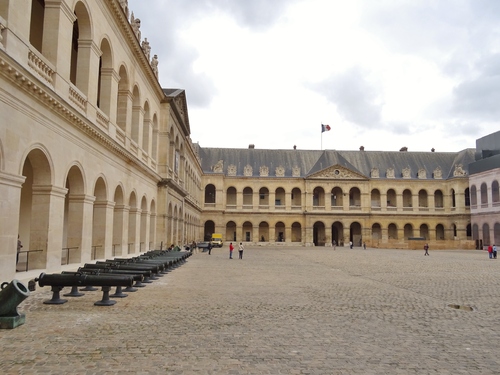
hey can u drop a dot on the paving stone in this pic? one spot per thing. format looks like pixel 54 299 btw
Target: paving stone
pixel 277 311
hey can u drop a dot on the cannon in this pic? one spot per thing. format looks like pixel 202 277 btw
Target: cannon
pixel 59 281
pixel 138 276
pixel 11 295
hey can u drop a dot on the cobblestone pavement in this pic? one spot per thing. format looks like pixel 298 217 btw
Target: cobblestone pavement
pixel 277 311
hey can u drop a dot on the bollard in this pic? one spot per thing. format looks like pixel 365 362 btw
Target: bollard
pixel 11 295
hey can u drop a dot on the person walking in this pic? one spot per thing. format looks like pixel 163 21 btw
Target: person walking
pixel 19 247
pixel 426 248
pixel 494 251
pixel 209 248
pixel 240 250
pixel 490 251
pixel 231 248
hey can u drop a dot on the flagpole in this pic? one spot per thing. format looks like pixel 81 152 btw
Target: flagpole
pixel 321 137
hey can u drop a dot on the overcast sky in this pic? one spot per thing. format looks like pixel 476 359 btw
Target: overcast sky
pixel 383 74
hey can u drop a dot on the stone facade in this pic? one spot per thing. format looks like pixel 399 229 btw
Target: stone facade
pixel 95 157
pixel 484 192
pixel 317 198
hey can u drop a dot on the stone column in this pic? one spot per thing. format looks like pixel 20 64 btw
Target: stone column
pixel 10 198
pixel 102 231
pixel 120 229
pixel 56 44
pixel 47 230
pixel 79 232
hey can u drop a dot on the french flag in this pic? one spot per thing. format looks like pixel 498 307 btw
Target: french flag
pixel 325 128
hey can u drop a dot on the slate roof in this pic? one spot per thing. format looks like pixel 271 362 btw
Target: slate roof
pixel 314 161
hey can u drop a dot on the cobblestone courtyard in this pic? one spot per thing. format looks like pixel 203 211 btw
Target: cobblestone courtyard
pixel 277 311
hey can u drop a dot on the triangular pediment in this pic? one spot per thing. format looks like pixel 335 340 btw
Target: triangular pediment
pixel 338 172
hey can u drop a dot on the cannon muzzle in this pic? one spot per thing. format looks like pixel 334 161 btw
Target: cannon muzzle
pixel 11 295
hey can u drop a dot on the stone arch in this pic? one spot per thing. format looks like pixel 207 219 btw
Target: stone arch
pixel 105 79
pixel 296 232
pixel 423 198
pixel 144 222
pixel 209 229
pixel 35 204
pixel 392 231
pixel 484 194
pixel 376 232
pixel 319 235
pixel 318 197
pixel 247 197
pixel 264 231
pixel 440 234
pixel 354 197
pixel 122 104
pixel 137 113
pixel 81 39
pixel 74 216
pixel 355 234
pixel 337 197
pixel 231 194
pixel 102 212
pixel 247 229
pixel 230 231
pixel 408 231
pixel 338 233
pixel 375 199
pixel 120 221
pixel 296 196
pixel 210 195
pixel 279 231
pixel 424 231
pixel 147 129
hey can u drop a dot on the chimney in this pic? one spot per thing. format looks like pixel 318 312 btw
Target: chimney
pixel 403 149
pixel 432 149
pixel 294 147
pixel 361 148
pixel 252 146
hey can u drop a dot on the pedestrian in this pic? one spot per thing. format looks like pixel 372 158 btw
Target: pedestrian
pixel 231 248
pixel 350 244
pixel 209 248
pixel 19 247
pixel 240 250
pixel 494 251
pixel 334 244
pixel 490 251
pixel 364 245
pixel 426 248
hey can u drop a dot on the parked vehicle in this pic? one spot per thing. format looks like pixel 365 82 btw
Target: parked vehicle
pixel 217 240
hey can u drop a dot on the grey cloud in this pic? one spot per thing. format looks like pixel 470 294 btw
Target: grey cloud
pixel 478 97
pixel 357 100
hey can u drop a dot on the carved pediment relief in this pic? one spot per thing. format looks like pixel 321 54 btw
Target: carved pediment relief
pixel 390 173
pixel 218 167
pixel 422 173
pixel 280 171
pixel 338 172
pixel 231 170
pixel 296 172
pixel 459 171
pixel 264 171
pixel 438 173
pixel 248 170
pixel 374 173
pixel 406 172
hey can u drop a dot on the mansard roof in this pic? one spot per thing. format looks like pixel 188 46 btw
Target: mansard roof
pixel 310 163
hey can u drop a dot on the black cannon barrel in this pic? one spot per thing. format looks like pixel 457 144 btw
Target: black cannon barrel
pixel 133 266
pixel 83 280
pixel 136 275
pixel 98 267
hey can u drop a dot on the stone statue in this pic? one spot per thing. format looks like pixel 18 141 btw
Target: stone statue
pixel 124 5
pixel 146 48
pixel 154 65
pixel 136 25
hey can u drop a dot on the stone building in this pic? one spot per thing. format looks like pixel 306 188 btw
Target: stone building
pixel 484 191
pixel 95 157
pixel 382 199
